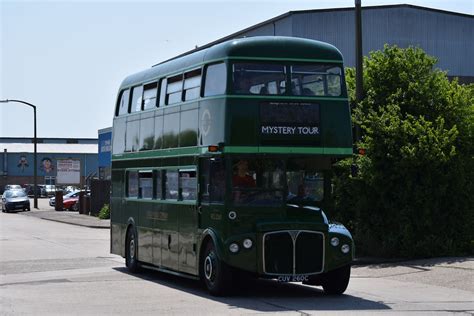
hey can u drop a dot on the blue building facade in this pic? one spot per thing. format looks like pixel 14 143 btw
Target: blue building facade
pixel 17 159
pixel 105 153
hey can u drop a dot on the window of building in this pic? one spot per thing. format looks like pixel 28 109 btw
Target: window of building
pixel 216 80
pixel 149 95
pixel 192 85
pixel 137 97
pixel 188 184
pixel 174 89
pixel 145 184
pixel 171 185
pixel 132 184
pixel 122 106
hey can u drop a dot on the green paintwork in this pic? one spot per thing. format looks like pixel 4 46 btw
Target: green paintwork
pixel 171 233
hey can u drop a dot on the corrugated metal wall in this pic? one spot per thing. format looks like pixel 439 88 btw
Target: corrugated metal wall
pixel 448 37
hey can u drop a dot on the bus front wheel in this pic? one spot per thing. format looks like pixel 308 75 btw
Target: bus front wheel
pixel 131 251
pixel 335 282
pixel 215 273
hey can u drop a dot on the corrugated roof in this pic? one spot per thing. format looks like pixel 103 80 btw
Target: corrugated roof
pixel 50 148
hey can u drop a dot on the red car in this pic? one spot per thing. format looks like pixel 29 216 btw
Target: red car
pixel 71 203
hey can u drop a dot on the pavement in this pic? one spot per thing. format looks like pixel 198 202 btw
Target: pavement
pixel 47 212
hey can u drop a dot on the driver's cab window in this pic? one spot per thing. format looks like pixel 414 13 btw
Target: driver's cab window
pixel 305 184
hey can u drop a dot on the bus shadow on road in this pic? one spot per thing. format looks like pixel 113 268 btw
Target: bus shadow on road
pixel 265 295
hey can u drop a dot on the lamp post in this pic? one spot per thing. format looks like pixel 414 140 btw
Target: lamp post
pixel 35 175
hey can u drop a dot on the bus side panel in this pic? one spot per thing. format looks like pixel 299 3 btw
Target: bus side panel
pixel 211 122
pixel 169 236
pixel 145 231
pixel 117 222
pixel 187 238
pixel 157 233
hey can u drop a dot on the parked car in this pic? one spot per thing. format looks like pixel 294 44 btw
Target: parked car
pixel 73 194
pixel 40 190
pixel 12 187
pixel 50 189
pixel 71 203
pixel 15 199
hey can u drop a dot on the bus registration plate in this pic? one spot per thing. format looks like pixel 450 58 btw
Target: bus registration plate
pixel 292 278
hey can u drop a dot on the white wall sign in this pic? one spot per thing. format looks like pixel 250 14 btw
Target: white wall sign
pixel 68 171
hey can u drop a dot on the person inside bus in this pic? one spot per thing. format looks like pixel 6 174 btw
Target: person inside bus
pixel 241 177
pixel 242 84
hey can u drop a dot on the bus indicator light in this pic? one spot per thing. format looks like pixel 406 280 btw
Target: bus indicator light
pixel 213 148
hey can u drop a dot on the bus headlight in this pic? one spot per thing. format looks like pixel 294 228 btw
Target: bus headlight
pixel 247 243
pixel 335 241
pixel 345 248
pixel 233 247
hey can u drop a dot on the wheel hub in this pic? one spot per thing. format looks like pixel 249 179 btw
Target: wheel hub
pixel 132 248
pixel 209 268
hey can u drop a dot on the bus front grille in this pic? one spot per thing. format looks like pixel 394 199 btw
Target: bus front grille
pixel 293 252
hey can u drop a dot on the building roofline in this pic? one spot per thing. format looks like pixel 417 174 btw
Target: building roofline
pixel 290 13
pixel 46 138
pixel 389 6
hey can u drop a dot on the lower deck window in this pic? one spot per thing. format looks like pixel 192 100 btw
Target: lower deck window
pixel 188 185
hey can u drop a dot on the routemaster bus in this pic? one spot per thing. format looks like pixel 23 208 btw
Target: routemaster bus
pixel 221 161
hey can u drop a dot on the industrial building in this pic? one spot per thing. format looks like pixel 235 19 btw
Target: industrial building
pixel 17 159
pixel 448 36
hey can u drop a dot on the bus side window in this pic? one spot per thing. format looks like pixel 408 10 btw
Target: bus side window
pixel 145 185
pixel 187 185
pixel 149 95
pixel 122 105
pixel 163 84
pixel 217 176
pixel 174 89
pixel 216 80
pixel 137 93
pixel 132 184
pixel 171 185
pixel 192 84
pixel 212 180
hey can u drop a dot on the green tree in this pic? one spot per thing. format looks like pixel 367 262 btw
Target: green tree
pixel 413 194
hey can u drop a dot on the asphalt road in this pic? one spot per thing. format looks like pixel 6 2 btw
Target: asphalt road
pixel 50 268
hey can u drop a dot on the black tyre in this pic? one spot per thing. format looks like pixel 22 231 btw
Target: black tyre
pixel 216 275
pixel 75 207
pixel 335 282
pixel 131 251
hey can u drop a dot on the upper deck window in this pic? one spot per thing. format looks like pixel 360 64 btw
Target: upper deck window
pixel 255 78
pixel 216 80
pixel 149 95
pixel 192 84
pixel 316 80
pixel 174 88
pixel 137 99
pixel 122 106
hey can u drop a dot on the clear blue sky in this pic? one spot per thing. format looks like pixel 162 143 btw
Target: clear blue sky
pixel 69 57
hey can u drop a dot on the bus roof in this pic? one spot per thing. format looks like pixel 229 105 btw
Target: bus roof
pixel 267 47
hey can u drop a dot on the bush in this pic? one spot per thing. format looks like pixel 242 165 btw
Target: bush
pixel 413 194
pixel 104 212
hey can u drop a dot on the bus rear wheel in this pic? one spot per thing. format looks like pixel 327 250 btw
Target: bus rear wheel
pixel 335 282
pixel 216 274
pixel 131 251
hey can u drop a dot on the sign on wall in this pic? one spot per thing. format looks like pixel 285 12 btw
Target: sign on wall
pixel 68 171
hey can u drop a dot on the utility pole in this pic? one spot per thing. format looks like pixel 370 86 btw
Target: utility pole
pixel 359 70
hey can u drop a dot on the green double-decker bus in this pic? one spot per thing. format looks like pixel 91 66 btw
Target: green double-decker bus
pixel 221 161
